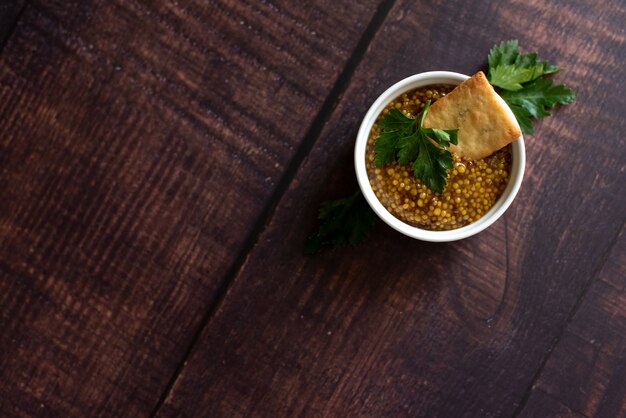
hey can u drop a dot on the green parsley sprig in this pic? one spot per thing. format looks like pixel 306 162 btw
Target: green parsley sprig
pixel 344 221
pixel 521 83
pixel 406 141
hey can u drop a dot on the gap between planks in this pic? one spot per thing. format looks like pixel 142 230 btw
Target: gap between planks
pixel 266 215
pixel 528 392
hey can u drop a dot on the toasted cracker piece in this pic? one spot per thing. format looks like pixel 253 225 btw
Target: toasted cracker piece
pixel 484 120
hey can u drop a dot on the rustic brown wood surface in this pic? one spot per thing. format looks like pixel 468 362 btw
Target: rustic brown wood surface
pixel 160 167
pixel 139 144
pixel 587 370
pixel 405 328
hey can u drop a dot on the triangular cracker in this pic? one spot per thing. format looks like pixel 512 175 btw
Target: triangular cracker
pixel 484 120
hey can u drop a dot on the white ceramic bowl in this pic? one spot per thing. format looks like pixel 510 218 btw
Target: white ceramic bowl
pixel 518 157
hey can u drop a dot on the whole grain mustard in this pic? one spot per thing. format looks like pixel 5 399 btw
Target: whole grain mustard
pixel 473 186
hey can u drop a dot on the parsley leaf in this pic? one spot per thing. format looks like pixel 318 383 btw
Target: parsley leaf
pixel 537 96
pixel 504 53
pixel 507 53
pixel 408 149
pixel 344 221
pixel 406 142
pixel 510 77
pixel 431 165
pixel 395 127
pixel 386 148
pixel 524 118
pixel 519 76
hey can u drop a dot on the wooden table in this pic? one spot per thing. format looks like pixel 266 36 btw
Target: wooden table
pixel 161 164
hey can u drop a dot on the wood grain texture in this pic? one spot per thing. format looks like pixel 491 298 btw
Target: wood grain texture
pixel 544 406
pixel 139 142
pixel 400 327
pixel 586 372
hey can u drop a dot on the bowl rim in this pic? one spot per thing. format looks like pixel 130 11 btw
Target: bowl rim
pixel 518 162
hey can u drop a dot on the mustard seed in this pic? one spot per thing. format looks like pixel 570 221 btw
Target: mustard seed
pixel 473 186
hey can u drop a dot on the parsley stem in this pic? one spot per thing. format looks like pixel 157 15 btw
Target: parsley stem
pixel 423 115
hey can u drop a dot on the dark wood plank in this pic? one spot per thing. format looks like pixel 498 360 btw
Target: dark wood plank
pixel 586 372
pixel 9 15
pixel 399 327
pixel 139 143
pixel 544 406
